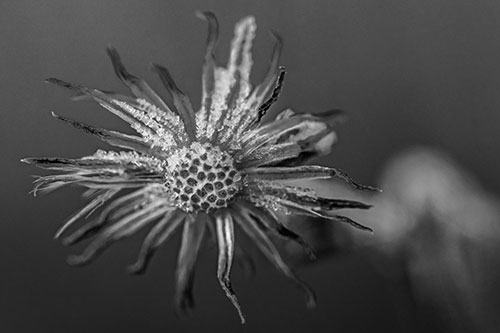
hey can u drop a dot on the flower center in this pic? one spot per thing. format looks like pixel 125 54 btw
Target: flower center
pixel 202 178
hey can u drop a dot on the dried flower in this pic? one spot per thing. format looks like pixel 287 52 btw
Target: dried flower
pixel 199 170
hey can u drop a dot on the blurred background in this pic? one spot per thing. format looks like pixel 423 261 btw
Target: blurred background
pixel 410 74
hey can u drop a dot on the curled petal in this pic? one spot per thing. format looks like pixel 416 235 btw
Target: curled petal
pixel 316 145
pixel 261 111
pixel 312 133
pixel 247 118
pixel 313 140
pixel 181 101
pixel 212 38
pixel 345 177
pixel 192 236
pixel 225 239
pixel 300 209
pixel 137 86
pixel 273 70
pixel 274 96
pixel 285 114
pixel 296 129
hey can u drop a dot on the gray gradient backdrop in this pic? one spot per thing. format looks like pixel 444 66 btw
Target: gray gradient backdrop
pixel 408 72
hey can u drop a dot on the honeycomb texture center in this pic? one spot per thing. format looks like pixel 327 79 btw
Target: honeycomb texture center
pixel 202 178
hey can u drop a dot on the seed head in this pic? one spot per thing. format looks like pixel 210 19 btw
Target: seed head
pixel 201 178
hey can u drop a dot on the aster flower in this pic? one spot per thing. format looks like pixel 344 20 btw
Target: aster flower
pixel 200 171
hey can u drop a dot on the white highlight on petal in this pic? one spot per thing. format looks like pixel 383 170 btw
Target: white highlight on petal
pixel 231 82
pixel 324 146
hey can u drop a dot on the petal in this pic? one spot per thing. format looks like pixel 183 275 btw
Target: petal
pixel 105 100
pixel 103 170
pixel 87 210
pixel 294 173
pixel 125 227
pixel 158 235
pixel 250 227
pixel 192 236
pixel 232 84
pixel 114 211
pixel 48 184
pixel 225 239
pixel 312 133
pixel 315 142
pixel 300 209
pixel 101 160
pixel 247 115
pixel 316 145
pixel 272 72
pixel 113 138
pixel 181 101
pixel 300 173
pixel 270 222
pixel 269 155
pixel 163 129
pixel 137 86
pixel 208 76
pixel 293 129
pixel 298 200
pixel 240 60
pixel 285 114
pixel 261 112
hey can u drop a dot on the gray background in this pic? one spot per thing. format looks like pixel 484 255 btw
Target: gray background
pixel 408 72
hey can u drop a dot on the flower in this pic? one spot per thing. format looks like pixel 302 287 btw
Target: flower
pixel 204 170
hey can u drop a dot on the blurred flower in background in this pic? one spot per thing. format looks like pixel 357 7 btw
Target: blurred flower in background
pixel 437 239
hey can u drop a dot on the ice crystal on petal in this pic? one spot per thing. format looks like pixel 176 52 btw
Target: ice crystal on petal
pixel 232 83
pixel 126 157
pixel 217 168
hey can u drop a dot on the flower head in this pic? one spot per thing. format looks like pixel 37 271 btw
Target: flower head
pixel 199 171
